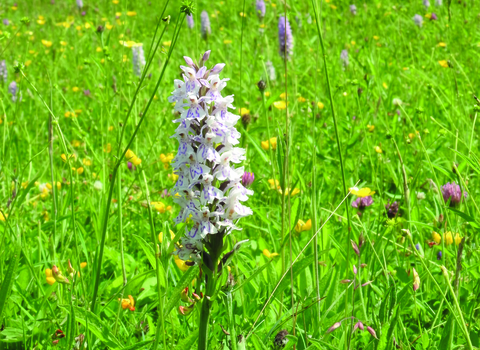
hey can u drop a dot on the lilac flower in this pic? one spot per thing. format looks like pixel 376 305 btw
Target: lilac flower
pixel 344 58
pixel 247 179
pixel 205 24
pixel 79 4
pixel 353 10
pixel 392 209
pixel 434 17
pixel 417 246
pixel 418 20
pixel 210 187
pixel 138 60
pixel 362 202
pixel 190 22
pixel 83 13
pixel 6 22
pixel 3 71
pixel 270 71
pixel 260 8
pixel 13 89
pixel 453 192
pixel 285 37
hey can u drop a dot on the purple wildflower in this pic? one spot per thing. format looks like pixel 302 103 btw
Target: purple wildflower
pixel 353 10
pixel 285 37
pixel 260 7
pixel 190 21
pixel 138 60
pixel 362 202
pixel 79 4
pixel 453 192
pixel 6 22
pixel 426 3
pixel 392 209
pixel 3 70
pixel 417 246
pixel 344 58
pixel 83 13
pixel 418 20
pixel 131 166
pixel 439 255
pixel 434 17
pixel 205 24
pixel 438 2
pixel 247 179
pixel 86 92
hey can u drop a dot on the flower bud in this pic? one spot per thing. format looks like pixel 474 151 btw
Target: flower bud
pixel 59 277
pixel 185 310
pixel 358 325
pixel 335 326
pixel 262 85
pixel 372 332
pixel 217 68
pixel 184 295
pixel 355 247
pixel 206 56
pixel 188 61
pixel 416 280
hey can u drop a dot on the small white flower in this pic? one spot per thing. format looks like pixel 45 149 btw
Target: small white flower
pixel 98 185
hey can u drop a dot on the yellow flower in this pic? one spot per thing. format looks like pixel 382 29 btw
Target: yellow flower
pixel 181 264
pixel 41 21
pixel 378 149
pixel 265 145
pixel 130 43
pixel 376 37
pixel 108 26
pixel 442 44
pixel 449 238
pixel 269 255
pixel 159 206
pixel 46 43
pixel 83 264
pixel 80 171
pixel 288 191
pixel 436 237
pixel 301 99
pixel 173 177
pixel 167 43
pixel 64 157
pixel 49 277
pixel 428 15
pixel 280 104
pixel 274 184
pixel 273 143
pixel 458 239
pixel 385 85
pixel 128 303
pixel 227 41
pixel 107 148
pixel 267 93
pixel 115 2
pixel 362 192
pixel 283 96
pixel 75 89
pixel 243 14
pixel 320 105
pixel 118 14
pixel 2 217
pixel 86 162
pixel 443 63
pixel 244 111
pixel 160 236
pixel 303 226
pixel 131 13
pixel 370 128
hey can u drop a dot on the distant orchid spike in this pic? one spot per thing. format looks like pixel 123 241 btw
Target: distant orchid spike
pixel 344 59
pixel 272 76
pixel 190 21
pixel 205 24
pixel 138 60
pixel 418 20
pixel 285 37
pixel 260 8
pixel 79 4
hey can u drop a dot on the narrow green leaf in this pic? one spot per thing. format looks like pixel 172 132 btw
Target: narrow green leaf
pixel 184 282
pixel 187 343
pixel 9 277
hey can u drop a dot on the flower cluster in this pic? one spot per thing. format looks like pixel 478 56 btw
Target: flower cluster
pixel 285 37
pixel 453 192
pixel 209 188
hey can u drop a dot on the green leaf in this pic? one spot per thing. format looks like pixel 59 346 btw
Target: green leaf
pixel 292 340
pixel 147 249
pixel 466 217
pixel 188 342
pixel 9 277
pixel 447 334
pixel 139 345
pixel 97 327
pixel 184 282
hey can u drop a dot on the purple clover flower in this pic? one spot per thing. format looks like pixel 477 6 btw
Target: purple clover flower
pixel 434 17
pixel 353 10
pixel 362 202
pixel 205 24
pixel 131 166
pixel 190 21
pixel 3 71
pixel 260 8
pixel 418 20
pixel 392 209
pixel 138 60
pixel 247 179
pixel 453 192
pixel 285 37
